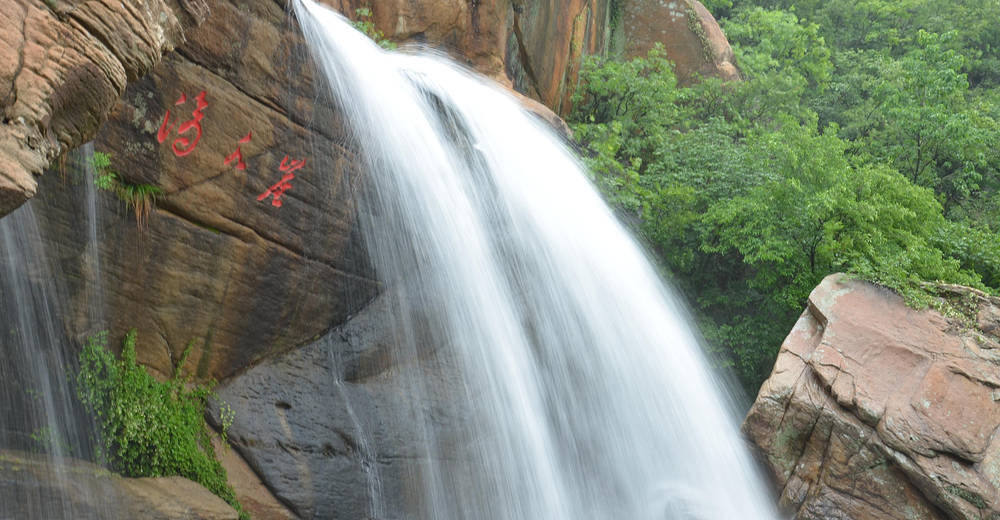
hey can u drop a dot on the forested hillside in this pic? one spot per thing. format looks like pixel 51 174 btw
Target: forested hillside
pixel 865 138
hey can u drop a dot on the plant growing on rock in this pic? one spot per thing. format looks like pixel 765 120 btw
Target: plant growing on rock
pixel 139 198
pixel 150 428
pixel 365 24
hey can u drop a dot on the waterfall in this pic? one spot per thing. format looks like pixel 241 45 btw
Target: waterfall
pixel 589 396
pixel 40 417
pixel 40 413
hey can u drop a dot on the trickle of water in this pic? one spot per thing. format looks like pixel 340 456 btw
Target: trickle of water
pixel 96 308
pixel 368 458
pixel 589 396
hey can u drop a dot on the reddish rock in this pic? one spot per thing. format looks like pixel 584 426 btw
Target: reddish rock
pixel 63 66
pixel 212 265
pixel 545 62
pixel 877 410
pixel 689 33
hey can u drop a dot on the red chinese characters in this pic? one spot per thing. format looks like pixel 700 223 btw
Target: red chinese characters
pixel 238 155
pixel 185 145
pixel 278 190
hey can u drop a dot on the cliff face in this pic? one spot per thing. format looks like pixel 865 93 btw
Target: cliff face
pixel 240 277
pixel 877 410
pixel 63 66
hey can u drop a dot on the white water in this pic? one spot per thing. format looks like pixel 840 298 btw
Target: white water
pixel 94 270
pixel 590 398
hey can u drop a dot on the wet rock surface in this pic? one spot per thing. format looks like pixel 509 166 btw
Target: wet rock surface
pixel 339 429
pixel 877 410
pixel 76 490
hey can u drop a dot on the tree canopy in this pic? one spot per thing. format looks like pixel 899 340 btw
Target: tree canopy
pixel 865 138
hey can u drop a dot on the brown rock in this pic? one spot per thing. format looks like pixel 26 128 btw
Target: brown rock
pixel 253 494
pixel 877 410
pixel 473 32
pixel 240 278
pixel 33 486
pixel 689 33
pixel 544 61
pixel 63 66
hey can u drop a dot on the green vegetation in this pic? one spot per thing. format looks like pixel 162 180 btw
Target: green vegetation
pixel 366 24
pixel 864 139
pixel 138 198
pixel 150 428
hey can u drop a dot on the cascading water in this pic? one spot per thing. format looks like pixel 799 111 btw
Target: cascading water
pixel 40 417
pixel 589 397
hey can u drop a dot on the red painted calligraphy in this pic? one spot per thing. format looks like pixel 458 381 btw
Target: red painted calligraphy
pixel 238 155
pixel 184 145
pixel 289 167
pixel 278 190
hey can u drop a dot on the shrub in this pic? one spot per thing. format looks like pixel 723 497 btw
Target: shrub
pixel 149 428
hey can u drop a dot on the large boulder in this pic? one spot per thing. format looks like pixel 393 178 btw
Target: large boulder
pixel 876 410
pixel 63 66
pixel 32 486
pixel 690 36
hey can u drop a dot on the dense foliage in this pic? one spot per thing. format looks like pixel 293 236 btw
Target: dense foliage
pixel 149 428
pixel 865 138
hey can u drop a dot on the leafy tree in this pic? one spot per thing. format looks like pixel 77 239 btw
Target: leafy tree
pixel 748 205
pixel 774 43
pixel 918 120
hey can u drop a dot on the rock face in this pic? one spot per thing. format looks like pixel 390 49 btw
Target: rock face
pixel 241 278
pixel 341 428
pixel 875 410
pixel 63 66
pixel 472 31
pixel 33 487
pixel 547 42
pixel 689 33
pixel 537 45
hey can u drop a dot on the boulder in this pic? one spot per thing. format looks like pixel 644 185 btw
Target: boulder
pixel 63 66
pixel 34 486
pixel 690 36
pixel 877 410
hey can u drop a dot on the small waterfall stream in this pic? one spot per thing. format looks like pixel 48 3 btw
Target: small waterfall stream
pixel 96 307
pixel 39 412
pixel 589 396
pixel 367 455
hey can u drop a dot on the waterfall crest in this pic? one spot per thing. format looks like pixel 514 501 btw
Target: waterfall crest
pixel 588 395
